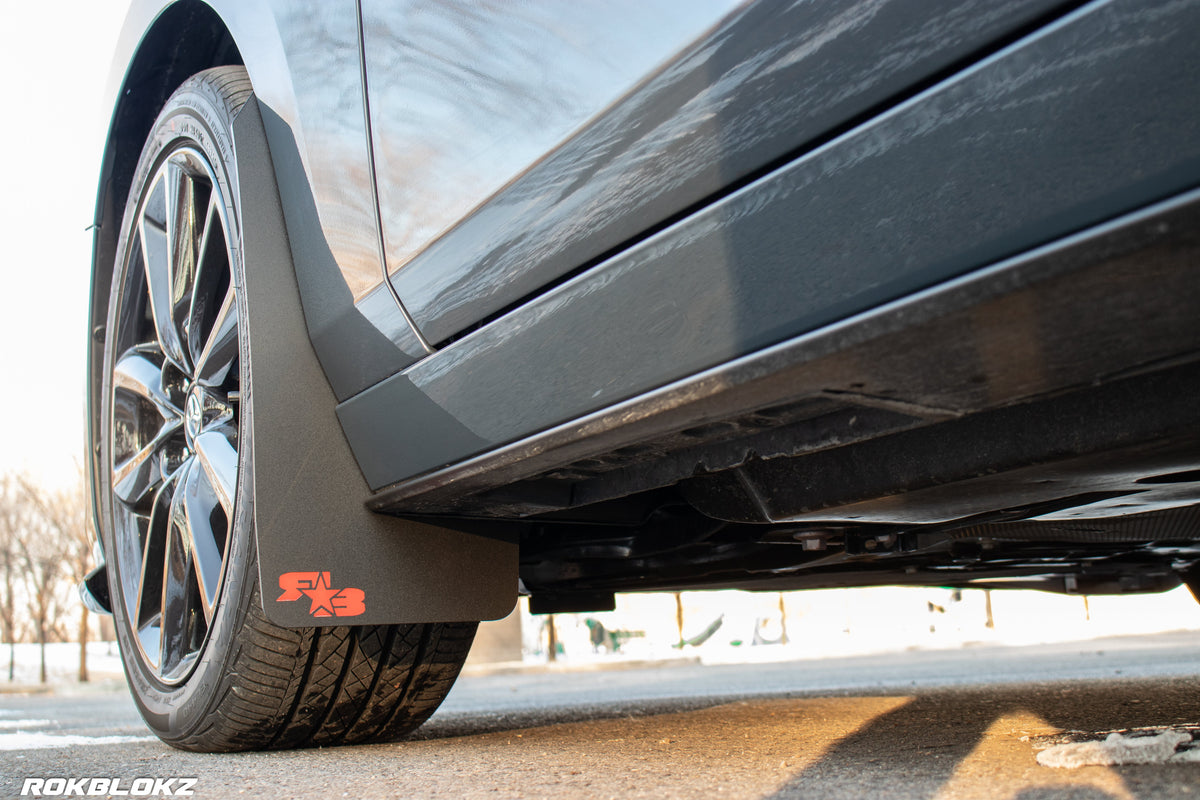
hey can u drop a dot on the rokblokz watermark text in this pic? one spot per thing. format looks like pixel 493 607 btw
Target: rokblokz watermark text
pixel 102 787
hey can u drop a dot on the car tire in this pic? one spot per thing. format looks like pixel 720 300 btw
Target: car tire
pixel 206 668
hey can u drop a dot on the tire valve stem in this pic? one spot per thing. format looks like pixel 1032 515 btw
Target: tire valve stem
pixel 234 396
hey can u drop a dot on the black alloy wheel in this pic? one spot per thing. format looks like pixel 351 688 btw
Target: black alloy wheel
pixel 176 389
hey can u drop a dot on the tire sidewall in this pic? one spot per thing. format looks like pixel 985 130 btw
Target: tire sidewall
pixel 196 116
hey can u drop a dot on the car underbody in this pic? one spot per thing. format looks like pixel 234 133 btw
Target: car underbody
pixel 972 435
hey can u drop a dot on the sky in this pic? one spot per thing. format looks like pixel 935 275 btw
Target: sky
pixel 56 57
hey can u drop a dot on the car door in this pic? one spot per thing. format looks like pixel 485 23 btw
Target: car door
pixel 517 145
pixel 467 96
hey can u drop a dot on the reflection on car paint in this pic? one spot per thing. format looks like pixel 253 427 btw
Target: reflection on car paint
pixel 763 85
pixel 465 96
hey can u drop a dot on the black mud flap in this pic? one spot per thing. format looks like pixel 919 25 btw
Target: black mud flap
pixel 324 559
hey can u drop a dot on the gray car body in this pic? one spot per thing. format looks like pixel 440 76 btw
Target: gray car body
pixel 493 243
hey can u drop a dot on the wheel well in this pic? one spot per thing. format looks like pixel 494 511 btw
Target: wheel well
pixel 165 58
pixel 186 38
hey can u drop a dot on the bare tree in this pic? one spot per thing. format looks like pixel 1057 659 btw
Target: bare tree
pixel 10 553
pixel 42 571
pixel 59 559
pixel 79 546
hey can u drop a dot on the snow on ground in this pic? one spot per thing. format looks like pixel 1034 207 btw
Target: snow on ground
pixel 1118 748
pixel 62 664
pixel 845 622
pixel 37 740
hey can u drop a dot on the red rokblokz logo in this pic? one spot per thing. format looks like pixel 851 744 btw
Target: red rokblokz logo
pixel 326 601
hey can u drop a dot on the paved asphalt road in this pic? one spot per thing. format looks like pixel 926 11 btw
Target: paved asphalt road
pixel 953 724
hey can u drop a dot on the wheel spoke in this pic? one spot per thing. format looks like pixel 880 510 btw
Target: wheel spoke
pixel 137 462
pixel 150 638
pixel 132 535
pixel 204 530
pixel 184 235
pixel 219 459
pixel 154 553
pixel 177 613
pixel 211 281
pixel 221 348
pixel 157 257
pixel 135 476
pixel 136 373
